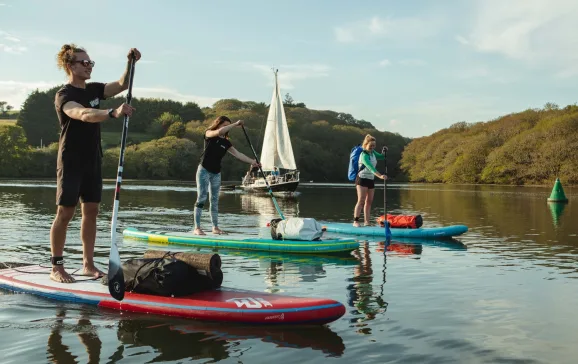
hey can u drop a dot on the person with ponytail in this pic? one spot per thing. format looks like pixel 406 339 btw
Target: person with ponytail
pixel 364 181
pixel 208 176
pixel 79 159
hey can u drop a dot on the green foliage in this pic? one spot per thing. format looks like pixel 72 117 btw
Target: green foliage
pixel 38 117
pixel 531 147
pixel 177 130
pixel 13 152
pixel 6 111
pixel 166 158
pixel 321 139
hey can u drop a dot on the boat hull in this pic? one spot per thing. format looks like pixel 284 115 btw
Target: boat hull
pixel 276 187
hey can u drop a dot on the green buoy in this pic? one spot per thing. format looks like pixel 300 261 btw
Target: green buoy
pixel 557 194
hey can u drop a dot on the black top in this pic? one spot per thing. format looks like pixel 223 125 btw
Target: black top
pixel 215 149
pixel 79 142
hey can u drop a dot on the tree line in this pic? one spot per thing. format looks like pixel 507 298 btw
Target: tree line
pixel 534 146
pixel 165 139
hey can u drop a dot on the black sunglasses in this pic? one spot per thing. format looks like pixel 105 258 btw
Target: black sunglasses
pixel 85 63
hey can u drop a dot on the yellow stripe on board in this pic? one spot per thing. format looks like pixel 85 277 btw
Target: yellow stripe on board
pixel 164 239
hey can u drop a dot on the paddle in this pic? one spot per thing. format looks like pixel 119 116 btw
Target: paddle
pixel 387 230
pixel 263 174
pixel 115 275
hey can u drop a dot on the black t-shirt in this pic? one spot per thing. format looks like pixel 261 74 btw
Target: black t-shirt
pixel 80 142
pixel 215 149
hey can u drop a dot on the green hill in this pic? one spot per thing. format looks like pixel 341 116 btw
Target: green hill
pixel 530 147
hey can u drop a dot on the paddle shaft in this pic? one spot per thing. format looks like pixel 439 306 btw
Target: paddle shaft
pixel 115 275
pixel 387 231
pixel 263 174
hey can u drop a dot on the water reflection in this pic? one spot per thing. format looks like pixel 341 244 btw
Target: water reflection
pixel 556 209
pixel 514 222
pixel 366 303
pixel 264 208
pixel 174 339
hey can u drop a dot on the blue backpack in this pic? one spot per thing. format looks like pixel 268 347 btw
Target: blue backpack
pixel 354 162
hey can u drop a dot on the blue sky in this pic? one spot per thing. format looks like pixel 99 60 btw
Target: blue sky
pixel 411 67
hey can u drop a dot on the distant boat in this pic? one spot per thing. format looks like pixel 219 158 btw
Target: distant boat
pixel 277 159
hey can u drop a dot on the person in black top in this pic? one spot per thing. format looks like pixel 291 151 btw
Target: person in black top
pixel 209 170
pixel 78 167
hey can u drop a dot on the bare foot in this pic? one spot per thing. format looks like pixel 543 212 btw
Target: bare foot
pixel 216 230
pixel 356 224
pixel 366 224
pixel 198 231
pixel 58 274
pixel 91 270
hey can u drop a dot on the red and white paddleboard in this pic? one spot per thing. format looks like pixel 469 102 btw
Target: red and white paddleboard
pixel 223 304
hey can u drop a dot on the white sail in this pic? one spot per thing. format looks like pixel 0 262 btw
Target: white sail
pixel 277 150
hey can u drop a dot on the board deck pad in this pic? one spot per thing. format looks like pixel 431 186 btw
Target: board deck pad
pixel 243 241
pixel 426 233
pixel 222 304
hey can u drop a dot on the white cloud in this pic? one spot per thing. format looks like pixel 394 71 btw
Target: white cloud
pixel 12 49
pixel 462 40
pixel 394 122
pixel 7 45
pixel 481 73
pixel 168 93
pixel 15 92
pixel 539 33
pixel 11 39
pixel 385 62
pixel 409 28
pixel 289 74
pixel 412 62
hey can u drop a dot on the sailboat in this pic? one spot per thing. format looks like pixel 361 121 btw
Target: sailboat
pixel 277 159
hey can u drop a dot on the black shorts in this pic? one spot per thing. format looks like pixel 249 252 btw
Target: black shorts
pixel 84 183
pixel 365 182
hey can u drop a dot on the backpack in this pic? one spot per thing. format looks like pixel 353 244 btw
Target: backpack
pixel 296 228
pixel 354 162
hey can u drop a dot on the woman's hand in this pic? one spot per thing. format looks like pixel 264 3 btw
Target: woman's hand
pixel 382 176
pixel 254 163
pixel 239 123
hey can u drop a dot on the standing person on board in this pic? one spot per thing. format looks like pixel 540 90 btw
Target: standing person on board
pixel 79 161
pixel 365 179
pixel 217 143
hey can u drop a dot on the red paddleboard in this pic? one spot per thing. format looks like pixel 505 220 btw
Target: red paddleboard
pixel 222 304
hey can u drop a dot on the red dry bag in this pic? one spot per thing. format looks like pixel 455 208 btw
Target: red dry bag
pixel 402 221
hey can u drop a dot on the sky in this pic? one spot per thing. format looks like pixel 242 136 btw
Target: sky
pixel 409 67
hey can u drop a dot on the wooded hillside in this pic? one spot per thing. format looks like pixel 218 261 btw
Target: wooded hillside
pixel 165 139
pixel 530 147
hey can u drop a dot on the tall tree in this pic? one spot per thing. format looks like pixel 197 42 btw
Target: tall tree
pixel 38 117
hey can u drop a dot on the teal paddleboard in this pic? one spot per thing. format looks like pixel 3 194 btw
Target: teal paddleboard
pixel 243 241
pixel 424 233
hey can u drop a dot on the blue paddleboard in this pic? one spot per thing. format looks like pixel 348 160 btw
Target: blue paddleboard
pixel 424 233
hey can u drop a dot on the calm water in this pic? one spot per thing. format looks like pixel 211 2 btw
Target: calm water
pixel 506 292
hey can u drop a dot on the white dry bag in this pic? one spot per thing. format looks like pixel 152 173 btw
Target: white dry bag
pixel 296 228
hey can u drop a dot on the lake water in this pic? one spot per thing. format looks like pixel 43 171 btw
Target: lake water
pixel 505 292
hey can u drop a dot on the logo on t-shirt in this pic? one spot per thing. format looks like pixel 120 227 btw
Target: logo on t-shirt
pixel 95 102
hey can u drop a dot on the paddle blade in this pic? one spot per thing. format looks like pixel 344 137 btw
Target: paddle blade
pixel 387 231
pixel 115 275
